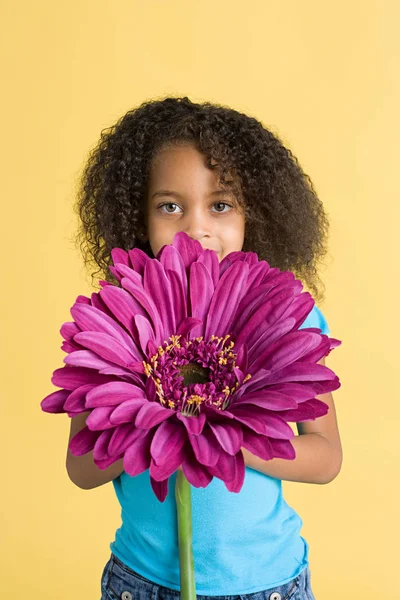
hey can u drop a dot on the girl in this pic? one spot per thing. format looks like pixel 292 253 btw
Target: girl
pixel 219 175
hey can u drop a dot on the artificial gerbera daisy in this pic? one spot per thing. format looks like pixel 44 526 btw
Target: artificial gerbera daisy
pixel 188 360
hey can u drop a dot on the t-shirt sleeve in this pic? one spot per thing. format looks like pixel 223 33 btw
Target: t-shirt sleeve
pixel 316 319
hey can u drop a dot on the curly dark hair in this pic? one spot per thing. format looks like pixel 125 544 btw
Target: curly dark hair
pixel 285 221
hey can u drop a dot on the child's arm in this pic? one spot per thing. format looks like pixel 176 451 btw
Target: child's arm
pixel 318 451
pixel 82 470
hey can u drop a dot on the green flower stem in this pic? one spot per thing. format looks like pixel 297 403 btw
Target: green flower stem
pixel 184 513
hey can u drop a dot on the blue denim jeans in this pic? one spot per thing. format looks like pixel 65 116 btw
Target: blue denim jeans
pixel 119 582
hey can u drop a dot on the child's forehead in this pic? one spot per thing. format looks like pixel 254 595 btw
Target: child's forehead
pixel 169 162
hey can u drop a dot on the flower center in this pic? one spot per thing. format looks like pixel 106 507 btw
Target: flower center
pixel 191 374
pixel 194 373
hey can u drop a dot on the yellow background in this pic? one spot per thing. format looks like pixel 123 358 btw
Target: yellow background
pixel 325 77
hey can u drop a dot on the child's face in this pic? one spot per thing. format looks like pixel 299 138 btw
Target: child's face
pixel 191 205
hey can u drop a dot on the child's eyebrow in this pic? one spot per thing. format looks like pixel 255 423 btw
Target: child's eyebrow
pixel 177 195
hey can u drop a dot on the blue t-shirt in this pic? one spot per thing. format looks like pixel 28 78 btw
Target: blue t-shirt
pixel 242 542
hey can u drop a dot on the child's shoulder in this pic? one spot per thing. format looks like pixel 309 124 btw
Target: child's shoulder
pixel 317 319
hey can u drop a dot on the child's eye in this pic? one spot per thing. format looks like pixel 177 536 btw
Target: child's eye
pixel 167 204
pixel 222 204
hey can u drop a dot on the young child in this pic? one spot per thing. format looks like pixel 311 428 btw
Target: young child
pixel 173 165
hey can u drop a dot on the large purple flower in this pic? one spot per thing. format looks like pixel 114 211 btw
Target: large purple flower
pixel 187 361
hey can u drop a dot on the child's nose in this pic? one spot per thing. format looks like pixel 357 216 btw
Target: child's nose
pixel 198 226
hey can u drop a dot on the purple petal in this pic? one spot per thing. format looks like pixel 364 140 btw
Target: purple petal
pixel 179 295
pixel 68 330
pixel 257 273
pixel 314 355
pixel 145 331
pixel 151 414
pixel 196 474
pixel 188 248
pixel 86 358
pixel 158 288
pixel 123 437
pixel 171 259
pixel 107 347
pixel 252 422
pixel 128 272
pixel 229 435
pixel 107 462
pixel 187 325
pixel 209 259
pixel 268 399
pixel 70 347
pixel 113 393
pixel 167 441
pixel 275 426
pixel 194 425
pixel 271 335
pixel 206 447
pixel 114 271
pixel 122 305
pixel 309 410
pixel 250 303
pixel 301 372
pixel 287 350
pixel 229 259
pixel 89 318
pixel 83 441
pixel 141 295
pixel 150 390
pixel 126 411
pixel 283 449
pixel 166 469
pixel 280 279
pixel 320 407
pixel 242 358
pixel 257 444
pixel 119 255
pixel 126 374
pixel 239 375
pixel 231 469
pixel 215 415
pixel 99 303
pixel 201 292
pixel 77 398
pixel 236 483
pixel 83 299
pixel 137 456
pixel 324 387
pixel 54 402
pixel 71 378
pixel 258 381
pixel 160 488
pixel 100 449
pixel 301 308
pixel 99 418
pixel 230 290
pixel 137 367
pixel 251 258
pixel 298 391
pixel 265 316
pixel 138 259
